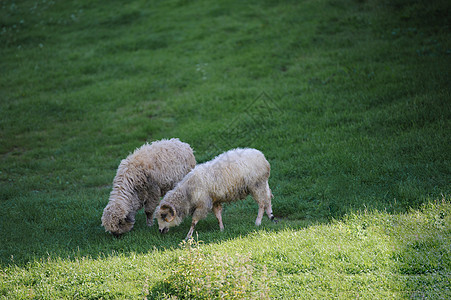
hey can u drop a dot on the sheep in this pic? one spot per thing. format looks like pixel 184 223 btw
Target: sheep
pixel 142 178
pixel 230 176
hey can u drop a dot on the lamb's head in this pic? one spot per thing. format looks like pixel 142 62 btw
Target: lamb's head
pixel 170 211
pixel 116 220
pixel 166 217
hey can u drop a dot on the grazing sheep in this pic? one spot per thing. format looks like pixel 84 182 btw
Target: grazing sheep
pixel 142 178
pixel 230 176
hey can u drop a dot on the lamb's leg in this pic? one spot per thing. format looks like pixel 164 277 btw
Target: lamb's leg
pixel 217 209
pixel 262 195
pixel 269 207
pixel 191 230
pixel 269 214
pixel 258 221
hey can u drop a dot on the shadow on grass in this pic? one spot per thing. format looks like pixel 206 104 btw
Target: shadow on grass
pixel 66 224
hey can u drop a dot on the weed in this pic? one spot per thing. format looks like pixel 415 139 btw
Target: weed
pixel 201 275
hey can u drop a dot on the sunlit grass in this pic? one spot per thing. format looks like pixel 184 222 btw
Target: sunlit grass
pixel 368 255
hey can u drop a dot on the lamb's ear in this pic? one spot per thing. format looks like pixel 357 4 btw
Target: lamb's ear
pixel 130 218
pixel 167 212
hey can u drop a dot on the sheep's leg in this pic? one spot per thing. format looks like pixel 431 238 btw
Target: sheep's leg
pixel 149 209
pixel 191 230
pixel 151 203
pixel 217 209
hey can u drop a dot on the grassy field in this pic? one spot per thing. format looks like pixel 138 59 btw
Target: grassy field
pixel 348 100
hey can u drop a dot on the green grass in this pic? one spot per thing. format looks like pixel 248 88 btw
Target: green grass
pixel 348 100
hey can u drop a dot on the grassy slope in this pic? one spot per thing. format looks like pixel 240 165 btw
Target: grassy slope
pixel 354 114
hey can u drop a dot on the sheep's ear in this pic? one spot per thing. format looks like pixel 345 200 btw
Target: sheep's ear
pixel 167 213
pixel 130 218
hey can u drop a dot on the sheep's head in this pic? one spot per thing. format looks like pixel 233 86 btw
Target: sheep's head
pixel 116 221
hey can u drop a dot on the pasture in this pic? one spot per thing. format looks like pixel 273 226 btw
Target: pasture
pixel 349 100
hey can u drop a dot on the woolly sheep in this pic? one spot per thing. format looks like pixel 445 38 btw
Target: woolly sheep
pixel 230 176
pixel 142 178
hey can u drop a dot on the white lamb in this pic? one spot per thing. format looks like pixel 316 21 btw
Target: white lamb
pixel 230 176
